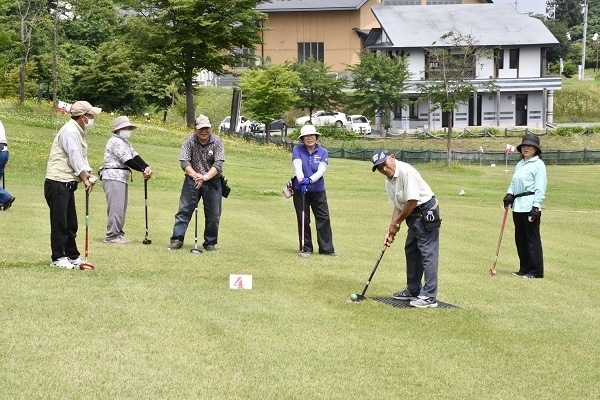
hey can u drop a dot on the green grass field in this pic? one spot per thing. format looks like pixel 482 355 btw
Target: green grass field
pixel 150 323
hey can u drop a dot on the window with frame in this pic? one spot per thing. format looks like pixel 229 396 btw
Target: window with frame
pixel 442 2
pixel 513 59
pixel 499 58
pixel 402 2
pixel 244 51
pixel 307 50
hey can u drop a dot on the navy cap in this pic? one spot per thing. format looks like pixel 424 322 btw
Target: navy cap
pixel 379 157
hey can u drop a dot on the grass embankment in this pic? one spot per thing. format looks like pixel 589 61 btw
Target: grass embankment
pixel 149 323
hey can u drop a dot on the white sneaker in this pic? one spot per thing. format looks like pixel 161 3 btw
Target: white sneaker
pixel 125 239
pixel 76 261
pixel 62 262
pixel 424 302
pixel 117 240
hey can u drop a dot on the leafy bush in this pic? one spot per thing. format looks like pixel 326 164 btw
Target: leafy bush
pixel 569 69
pixel 494 131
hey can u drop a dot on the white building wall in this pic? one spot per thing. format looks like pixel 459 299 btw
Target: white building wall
pixel 416 64
pixel 488 109
pixel 485 68
pixel 529 62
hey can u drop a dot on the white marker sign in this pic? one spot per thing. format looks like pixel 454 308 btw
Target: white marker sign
pixel 240 281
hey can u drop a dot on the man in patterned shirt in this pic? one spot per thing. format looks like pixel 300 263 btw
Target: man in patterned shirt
pixel 202 157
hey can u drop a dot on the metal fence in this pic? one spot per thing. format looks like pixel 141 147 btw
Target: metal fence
pixel 558 157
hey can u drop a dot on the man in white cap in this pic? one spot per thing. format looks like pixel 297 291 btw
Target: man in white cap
pixel 68 166
pixel 119 159
pixel 202 157
pixel 415 204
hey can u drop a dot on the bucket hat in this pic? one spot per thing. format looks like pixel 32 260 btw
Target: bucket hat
pixel 530 139
pixel 123 122
pixel 308 130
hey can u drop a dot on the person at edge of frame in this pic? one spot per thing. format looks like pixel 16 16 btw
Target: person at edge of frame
pixel 68 166
pixel 310 160
pixel 414 203
pixel 525 194
pixel 6 199
pixel 202 157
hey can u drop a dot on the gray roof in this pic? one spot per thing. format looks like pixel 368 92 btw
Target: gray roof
pixel 310 5
pixel 490 24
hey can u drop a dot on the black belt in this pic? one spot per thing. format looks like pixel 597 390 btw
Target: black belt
pixel 523 194
pixel 425 206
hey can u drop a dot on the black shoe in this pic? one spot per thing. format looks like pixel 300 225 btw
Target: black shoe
pixel 175 245
pixel 7 205
pixel 531 276
pixel 404 294
pixel 210 247
pixel 518 273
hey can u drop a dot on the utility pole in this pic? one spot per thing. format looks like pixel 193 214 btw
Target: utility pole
pixel 585 18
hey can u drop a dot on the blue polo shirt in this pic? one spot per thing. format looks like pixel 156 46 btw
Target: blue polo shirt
pixel 310 165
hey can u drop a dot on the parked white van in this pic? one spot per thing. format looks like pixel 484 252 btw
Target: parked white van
pixel 359 124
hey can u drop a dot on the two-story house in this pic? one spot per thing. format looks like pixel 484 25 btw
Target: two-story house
pixel 516 63
pixel 331 31
pixel 335 31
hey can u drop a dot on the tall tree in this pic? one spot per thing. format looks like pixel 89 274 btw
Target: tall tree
pixel 379 83
pixel 566 11
pixel 28 11
pixel 268 92
pixel 319 88
pixel 186 36
pixel 450 71
pixel 110 80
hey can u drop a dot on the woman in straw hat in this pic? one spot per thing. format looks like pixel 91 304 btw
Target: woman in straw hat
pixel 119 159
pixel 525 194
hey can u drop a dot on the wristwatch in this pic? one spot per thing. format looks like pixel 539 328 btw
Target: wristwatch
pixel 205 178
pixel 396 225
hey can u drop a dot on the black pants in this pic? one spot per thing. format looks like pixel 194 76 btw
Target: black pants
pixel 317 201
pixel 60 197
pixel 529 244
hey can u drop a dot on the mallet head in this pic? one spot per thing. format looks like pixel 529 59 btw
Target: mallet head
pixel 195 250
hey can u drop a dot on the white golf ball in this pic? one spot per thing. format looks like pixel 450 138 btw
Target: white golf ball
pixel 92 179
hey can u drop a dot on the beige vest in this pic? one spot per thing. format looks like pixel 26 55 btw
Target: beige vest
pixel 59 168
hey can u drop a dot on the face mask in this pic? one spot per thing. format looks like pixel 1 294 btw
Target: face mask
pixel 125 134
pixel 89 124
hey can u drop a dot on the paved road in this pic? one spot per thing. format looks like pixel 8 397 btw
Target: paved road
pixel 582 124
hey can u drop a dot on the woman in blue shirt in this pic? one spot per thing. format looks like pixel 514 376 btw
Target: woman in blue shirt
pixel 525 194
pixel 310 163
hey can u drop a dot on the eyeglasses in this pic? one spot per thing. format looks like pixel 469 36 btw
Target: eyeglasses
pixel 89 116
